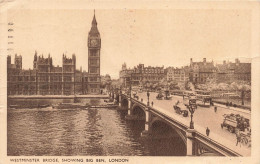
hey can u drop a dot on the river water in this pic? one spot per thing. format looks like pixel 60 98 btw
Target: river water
pixel 80 132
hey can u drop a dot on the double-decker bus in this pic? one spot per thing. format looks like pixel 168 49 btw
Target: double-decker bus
pixel 187 96
pixel 203 98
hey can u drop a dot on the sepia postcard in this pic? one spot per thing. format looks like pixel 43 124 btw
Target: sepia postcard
pixel 129 82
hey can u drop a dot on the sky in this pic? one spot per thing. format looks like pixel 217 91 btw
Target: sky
pixel 165 37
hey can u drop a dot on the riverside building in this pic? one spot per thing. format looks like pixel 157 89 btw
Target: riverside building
pixel 47 79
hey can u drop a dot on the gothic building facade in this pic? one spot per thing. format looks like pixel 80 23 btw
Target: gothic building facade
pixel 94 45
pixel 47 79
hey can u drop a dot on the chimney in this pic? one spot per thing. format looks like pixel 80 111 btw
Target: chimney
pixel 224 61
pixel 8 60
pixel 204 60
pixel 190 60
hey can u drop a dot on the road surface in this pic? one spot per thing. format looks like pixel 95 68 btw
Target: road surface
pixel 203 118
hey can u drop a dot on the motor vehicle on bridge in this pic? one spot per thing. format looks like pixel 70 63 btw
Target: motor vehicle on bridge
pixel 233 122
pixel 203 98
pixel 180 111
pixel 167 95
pixel 191 101
pixel 159 96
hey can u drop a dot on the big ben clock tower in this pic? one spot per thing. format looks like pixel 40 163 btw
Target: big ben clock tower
pixel 94 45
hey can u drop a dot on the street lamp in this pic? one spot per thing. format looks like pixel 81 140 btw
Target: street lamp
pixel 130 88
pixel 148 94
pixel 191 108
pixel 113 93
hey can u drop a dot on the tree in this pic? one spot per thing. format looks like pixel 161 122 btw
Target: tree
pixel 242 87
pixel 190 86
pixel 155 85
pixel 173 85
pixel 163 83
pixel 223 87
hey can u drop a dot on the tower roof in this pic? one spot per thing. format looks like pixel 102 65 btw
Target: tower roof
pixel 94 30
pixel 94 21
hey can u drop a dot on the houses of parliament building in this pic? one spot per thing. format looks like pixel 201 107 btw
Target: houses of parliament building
pixel 46 79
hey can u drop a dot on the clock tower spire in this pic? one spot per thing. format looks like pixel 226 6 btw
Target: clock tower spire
pixel 94 45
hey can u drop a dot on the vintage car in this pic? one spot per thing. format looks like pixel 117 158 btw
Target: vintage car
pixel 159 96
pixel 167 95
pixel 233 122
pixel 178 110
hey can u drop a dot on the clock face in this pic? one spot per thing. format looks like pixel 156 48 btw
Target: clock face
pixel 93 42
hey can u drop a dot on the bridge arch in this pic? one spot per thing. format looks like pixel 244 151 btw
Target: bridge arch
pixel 161 127
pixel 124 102
pixel 171 138
pixel 117 97
pixel 138 111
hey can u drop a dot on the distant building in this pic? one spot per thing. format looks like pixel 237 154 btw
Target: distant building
pixel 230 72
pixel 45 79
pixel 179 75
pixel 106 81
pixel 106 78
pixel 140 74
pixel 201 71
pixel 125 76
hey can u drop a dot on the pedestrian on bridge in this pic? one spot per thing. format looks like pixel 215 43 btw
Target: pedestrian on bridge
pixel 238 135
pixel 215 108
pixel 207 131
pixel 152 103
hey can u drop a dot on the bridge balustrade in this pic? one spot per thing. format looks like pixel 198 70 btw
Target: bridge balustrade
pixel 196 143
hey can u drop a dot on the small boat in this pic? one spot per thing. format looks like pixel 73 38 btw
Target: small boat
pixel 69 105
pixel 43 106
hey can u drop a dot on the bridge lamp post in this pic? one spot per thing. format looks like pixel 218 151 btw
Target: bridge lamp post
pixel 130 87
pixel 148 95
pixel 192 110
pixel 130 90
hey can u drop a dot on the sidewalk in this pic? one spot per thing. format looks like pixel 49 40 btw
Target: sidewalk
pixel 233 108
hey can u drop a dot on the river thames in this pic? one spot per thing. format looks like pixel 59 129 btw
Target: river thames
pixel 80 132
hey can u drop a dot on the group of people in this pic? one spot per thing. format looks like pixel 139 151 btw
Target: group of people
pixel 229 104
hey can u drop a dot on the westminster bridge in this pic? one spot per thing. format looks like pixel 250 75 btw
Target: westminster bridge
pixel 161 122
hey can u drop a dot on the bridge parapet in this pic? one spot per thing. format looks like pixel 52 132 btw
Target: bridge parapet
pixel 196 143
pixel 206 144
